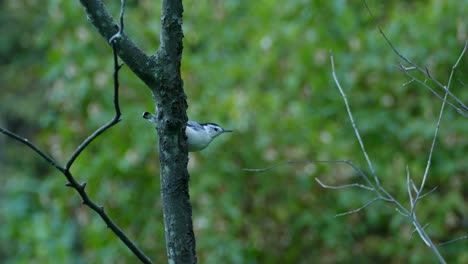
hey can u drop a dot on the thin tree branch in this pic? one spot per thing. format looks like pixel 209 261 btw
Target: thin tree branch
pixel 116 119
pixel 33 147
pixel 454 67
pixel 140 63
pixel 348 162
pixel 410 194
pixel 416 230
pixel 403 213
pixel 121 25
pixel 424 84
pixel 281 164
pixel 428 165
pixel 424 71
pixel 337 187
pixel 447 88
pixel 379 188
pixel 360 208
pixel 429 192
pixel 463 108
pixel 452 240
pixel 80 187
pixel 423 235
pixel 351 118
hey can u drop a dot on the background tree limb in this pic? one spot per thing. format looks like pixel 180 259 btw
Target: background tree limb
pixel 80 187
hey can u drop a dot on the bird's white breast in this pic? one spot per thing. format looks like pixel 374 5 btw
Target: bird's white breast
pixel 197 140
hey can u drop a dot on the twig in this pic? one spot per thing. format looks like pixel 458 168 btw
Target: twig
pixel 401 212
pixel 429 192
pixel 410 194
pixel 351 118
pixel 337 187
pixel 281 164
pixel 379 190
pixel 348 162
pixel 360 208
pixel 408 82
pixel 80 187
pixel 425 238
pixel 447 88
pixel 33 147
pixel 117 115
pixel 121 26
pixel 424 84
pixel 416 230
pixel 428 165
pixel 463 108
pixel 453 240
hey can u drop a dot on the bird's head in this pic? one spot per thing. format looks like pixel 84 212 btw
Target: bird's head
pixel 214 130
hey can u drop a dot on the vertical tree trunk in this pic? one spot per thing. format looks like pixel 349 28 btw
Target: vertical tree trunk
pixel 162 75
pixel 171 120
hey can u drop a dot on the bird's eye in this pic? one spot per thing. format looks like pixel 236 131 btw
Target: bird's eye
pixel 216 129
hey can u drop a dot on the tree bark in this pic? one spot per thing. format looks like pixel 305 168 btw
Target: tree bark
pixel 171 121
pixel 161 72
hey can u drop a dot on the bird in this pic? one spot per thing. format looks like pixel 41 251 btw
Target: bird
pixel 199 135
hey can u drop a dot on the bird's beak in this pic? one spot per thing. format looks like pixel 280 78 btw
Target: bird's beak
pixel 226 130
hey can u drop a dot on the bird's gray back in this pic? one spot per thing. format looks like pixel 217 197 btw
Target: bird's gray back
pixel 194 125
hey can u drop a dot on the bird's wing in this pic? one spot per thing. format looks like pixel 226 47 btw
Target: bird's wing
pixel 194 125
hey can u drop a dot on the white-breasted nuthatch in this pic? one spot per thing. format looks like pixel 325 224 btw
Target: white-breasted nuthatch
pixel 199 135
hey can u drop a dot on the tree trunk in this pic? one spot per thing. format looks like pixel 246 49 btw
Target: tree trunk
pixel 161 72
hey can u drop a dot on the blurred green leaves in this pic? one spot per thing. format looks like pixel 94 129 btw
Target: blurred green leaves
pixel 262 69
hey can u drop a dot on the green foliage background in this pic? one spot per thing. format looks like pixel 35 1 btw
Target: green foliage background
pixel 261 68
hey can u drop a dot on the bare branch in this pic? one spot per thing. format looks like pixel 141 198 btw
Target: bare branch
pixel 344 186
pixel 140 63
pixel 454 67
pixel 405 214
pixel 282 164
pixel 387 196
pixel 458 61
pixel 429 192
pixel 360 208
pixel 408 82
pixel 425 85
pixel 33 147
pixel 348 109
pixel 461 82
pixel 348 162
pixel 80 187
pixel 410 194
pixel 423 235
pixel 426 172
pixel 452 240
pixel 117 115
pixel 414 186
pixel 416 230
pixel 119 34
pixel 425 71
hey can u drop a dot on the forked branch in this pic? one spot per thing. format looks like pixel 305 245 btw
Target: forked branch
pixel 379 190
pixel 65 170
pixel 460 107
